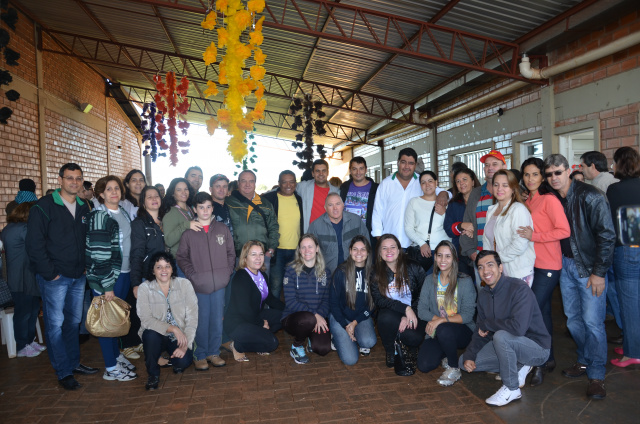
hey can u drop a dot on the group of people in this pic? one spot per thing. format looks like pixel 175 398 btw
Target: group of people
pixel 471 268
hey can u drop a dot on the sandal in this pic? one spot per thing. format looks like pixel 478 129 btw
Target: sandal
pixel 240 357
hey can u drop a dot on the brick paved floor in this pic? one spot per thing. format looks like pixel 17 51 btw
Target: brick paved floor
pixel 265 389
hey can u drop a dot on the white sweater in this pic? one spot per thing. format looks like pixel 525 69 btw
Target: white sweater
pixel 517 253
pixel 416 223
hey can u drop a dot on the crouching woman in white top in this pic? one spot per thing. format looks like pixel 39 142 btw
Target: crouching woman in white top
pixel 501 230
pixel 168 311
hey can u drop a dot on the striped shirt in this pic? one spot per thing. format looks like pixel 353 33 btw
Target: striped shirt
pixel 486 200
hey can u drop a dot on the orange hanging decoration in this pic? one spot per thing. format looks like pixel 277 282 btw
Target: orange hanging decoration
pixel 172 104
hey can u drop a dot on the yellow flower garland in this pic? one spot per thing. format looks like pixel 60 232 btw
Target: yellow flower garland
pixel 230 72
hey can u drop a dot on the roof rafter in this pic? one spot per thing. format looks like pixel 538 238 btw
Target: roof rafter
pixel 271 119
pixel 152 61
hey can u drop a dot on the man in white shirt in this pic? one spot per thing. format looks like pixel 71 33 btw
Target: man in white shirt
pixel 394 194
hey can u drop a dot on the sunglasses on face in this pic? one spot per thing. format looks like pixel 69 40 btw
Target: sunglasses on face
pixel 556 173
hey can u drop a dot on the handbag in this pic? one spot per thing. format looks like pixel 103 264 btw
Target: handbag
pixel 404 362
pixel 108 319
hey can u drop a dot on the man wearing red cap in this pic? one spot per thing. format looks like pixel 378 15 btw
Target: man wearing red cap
pixel 477 205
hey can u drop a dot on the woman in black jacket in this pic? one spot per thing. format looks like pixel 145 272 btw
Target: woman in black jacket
pixel 146 240
pixel 396 290
pixel 246 321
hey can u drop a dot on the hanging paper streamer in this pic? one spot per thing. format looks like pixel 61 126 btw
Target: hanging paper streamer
pixel 172 104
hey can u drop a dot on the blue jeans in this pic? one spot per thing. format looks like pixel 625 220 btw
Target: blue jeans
pixel 209 331
pixel 506 354
pixel 348 350
pixel 62 314
pixel 613 304
pixel 585 319
pixel 283 257
pixel 154 344
pixel 626 261
pixel 544 283
pixel 110 346
pixel 25 315
pixel 86 303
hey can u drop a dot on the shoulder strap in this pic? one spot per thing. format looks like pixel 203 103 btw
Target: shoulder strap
pixel 254 206
pixel 433 211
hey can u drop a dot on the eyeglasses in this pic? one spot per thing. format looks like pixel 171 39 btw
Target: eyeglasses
pixel 72 179
pixel 556 173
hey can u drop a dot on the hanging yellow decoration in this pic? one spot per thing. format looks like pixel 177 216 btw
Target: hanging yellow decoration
pixel 212 124
pixel 231 117
pixel 210 21
pixel 210 54
pixel 212 89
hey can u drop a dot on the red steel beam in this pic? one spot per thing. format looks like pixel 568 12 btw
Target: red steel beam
pixel 152 61
pixel 271 119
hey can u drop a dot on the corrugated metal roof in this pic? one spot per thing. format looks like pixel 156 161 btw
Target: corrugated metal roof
pixel 296 55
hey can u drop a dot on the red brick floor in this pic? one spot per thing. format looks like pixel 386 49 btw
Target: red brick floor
pixel 265 389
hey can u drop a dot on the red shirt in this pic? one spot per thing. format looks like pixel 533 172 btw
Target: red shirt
pixel 319 196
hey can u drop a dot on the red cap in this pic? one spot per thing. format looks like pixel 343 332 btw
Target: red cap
pixel 496 154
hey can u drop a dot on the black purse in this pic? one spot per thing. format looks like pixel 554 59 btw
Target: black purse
pixel 405 361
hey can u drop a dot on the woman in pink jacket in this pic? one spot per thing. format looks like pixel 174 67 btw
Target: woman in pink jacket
pixel 551 226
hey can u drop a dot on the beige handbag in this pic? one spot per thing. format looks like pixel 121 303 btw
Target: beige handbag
pixel 108 319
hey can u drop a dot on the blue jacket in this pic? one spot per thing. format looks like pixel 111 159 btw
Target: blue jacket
pixel 341 312
pixel 305 292
pixel 454 214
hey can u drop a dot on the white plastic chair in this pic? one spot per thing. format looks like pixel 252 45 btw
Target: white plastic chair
pixel 6 315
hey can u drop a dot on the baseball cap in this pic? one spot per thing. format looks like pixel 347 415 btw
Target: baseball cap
pixel 496 154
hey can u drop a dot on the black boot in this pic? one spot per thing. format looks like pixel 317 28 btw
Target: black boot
pixel 537 376
pixel 390 359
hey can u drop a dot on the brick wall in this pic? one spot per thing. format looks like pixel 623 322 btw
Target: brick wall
pixel 69 136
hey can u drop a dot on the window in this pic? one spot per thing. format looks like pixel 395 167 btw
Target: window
pixel 531 149
pixel 573 145
pixel 472 160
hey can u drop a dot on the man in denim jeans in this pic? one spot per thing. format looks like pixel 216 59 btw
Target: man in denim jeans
pixel 586 257
pixel 511 336
pixel 56 248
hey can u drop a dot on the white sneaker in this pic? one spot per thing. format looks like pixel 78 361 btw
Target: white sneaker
pixel 120 374
pixel 365 351
pixel 449 376
pixel 503 396
pixel 28 352
pixel 124 363
pixel 522 375
pixel 445 364
pixel 37 346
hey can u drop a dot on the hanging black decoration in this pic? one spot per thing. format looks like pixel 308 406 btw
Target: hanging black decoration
pixel 5 77
pixel 4 38
pixel 10 17
pixel 5 113
pixel 11 56
pixel 308 116
pixel 4 4
pixel 12 95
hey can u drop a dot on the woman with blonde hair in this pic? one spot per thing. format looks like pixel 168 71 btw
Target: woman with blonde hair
pixel 504 219
pixel 247 322
pixel 306 296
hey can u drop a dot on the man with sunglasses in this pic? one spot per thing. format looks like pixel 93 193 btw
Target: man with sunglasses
pixel 56 247
pixel 586 256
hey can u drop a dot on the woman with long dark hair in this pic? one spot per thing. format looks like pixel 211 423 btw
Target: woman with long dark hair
pixel 504 218
pixel 464 181
pixel 146 240
pixel 551 226
pixel 351 304
pixel 626 259
pixel 448 305
pixel 396 290
pixel 306 297
pixel 134 182
pixel 178 214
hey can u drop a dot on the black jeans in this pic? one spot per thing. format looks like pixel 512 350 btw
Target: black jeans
pixel 154 344
pixel 388 324
pixel 25 315
pixel 300 325
pixel 254 338
pixel 131 339
pixel 544 282
pixel 450 337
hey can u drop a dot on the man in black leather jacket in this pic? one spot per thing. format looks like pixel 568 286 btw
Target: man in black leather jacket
pixel 586 256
